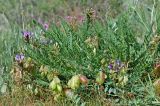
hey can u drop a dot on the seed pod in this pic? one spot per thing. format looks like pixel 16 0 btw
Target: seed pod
pixel 59 88
pixel 125 80
pixel 156 71
pixel 57 80
pixel 26 65
pixel 83 79
pixel 36 91
pixel 156 85
pixel 74 82
pixel 68 93
pixel 101 76
pixel 120 79
pixel 50 76
pixel 29 60
pixel 103 61
pixel 158 67
pixel 54 83
pixel 44 70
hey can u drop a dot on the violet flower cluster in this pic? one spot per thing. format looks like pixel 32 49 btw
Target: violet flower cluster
pixel 26 35
pixel 116 66
pixel 19 57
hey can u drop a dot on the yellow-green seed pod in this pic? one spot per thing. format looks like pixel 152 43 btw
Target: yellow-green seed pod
pixel 56 79
pixel 50 76
pixel 29 60
pixel 74 82
pixel 101 76
pixel 125 80
pixel 53 85
pixel 156 72
pixel 59 88
pixel 36 91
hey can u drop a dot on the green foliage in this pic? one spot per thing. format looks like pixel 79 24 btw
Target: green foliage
pixel 70 48
pixel 80 50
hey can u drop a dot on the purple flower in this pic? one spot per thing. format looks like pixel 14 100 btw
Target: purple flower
pixel 19 57
pixel 46 26
pixel 110 66
pixel 80 19
pixel 116 66
pixel 70 19
pixel 26 34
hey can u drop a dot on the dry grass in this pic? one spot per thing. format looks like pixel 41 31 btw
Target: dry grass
pixel 20 97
